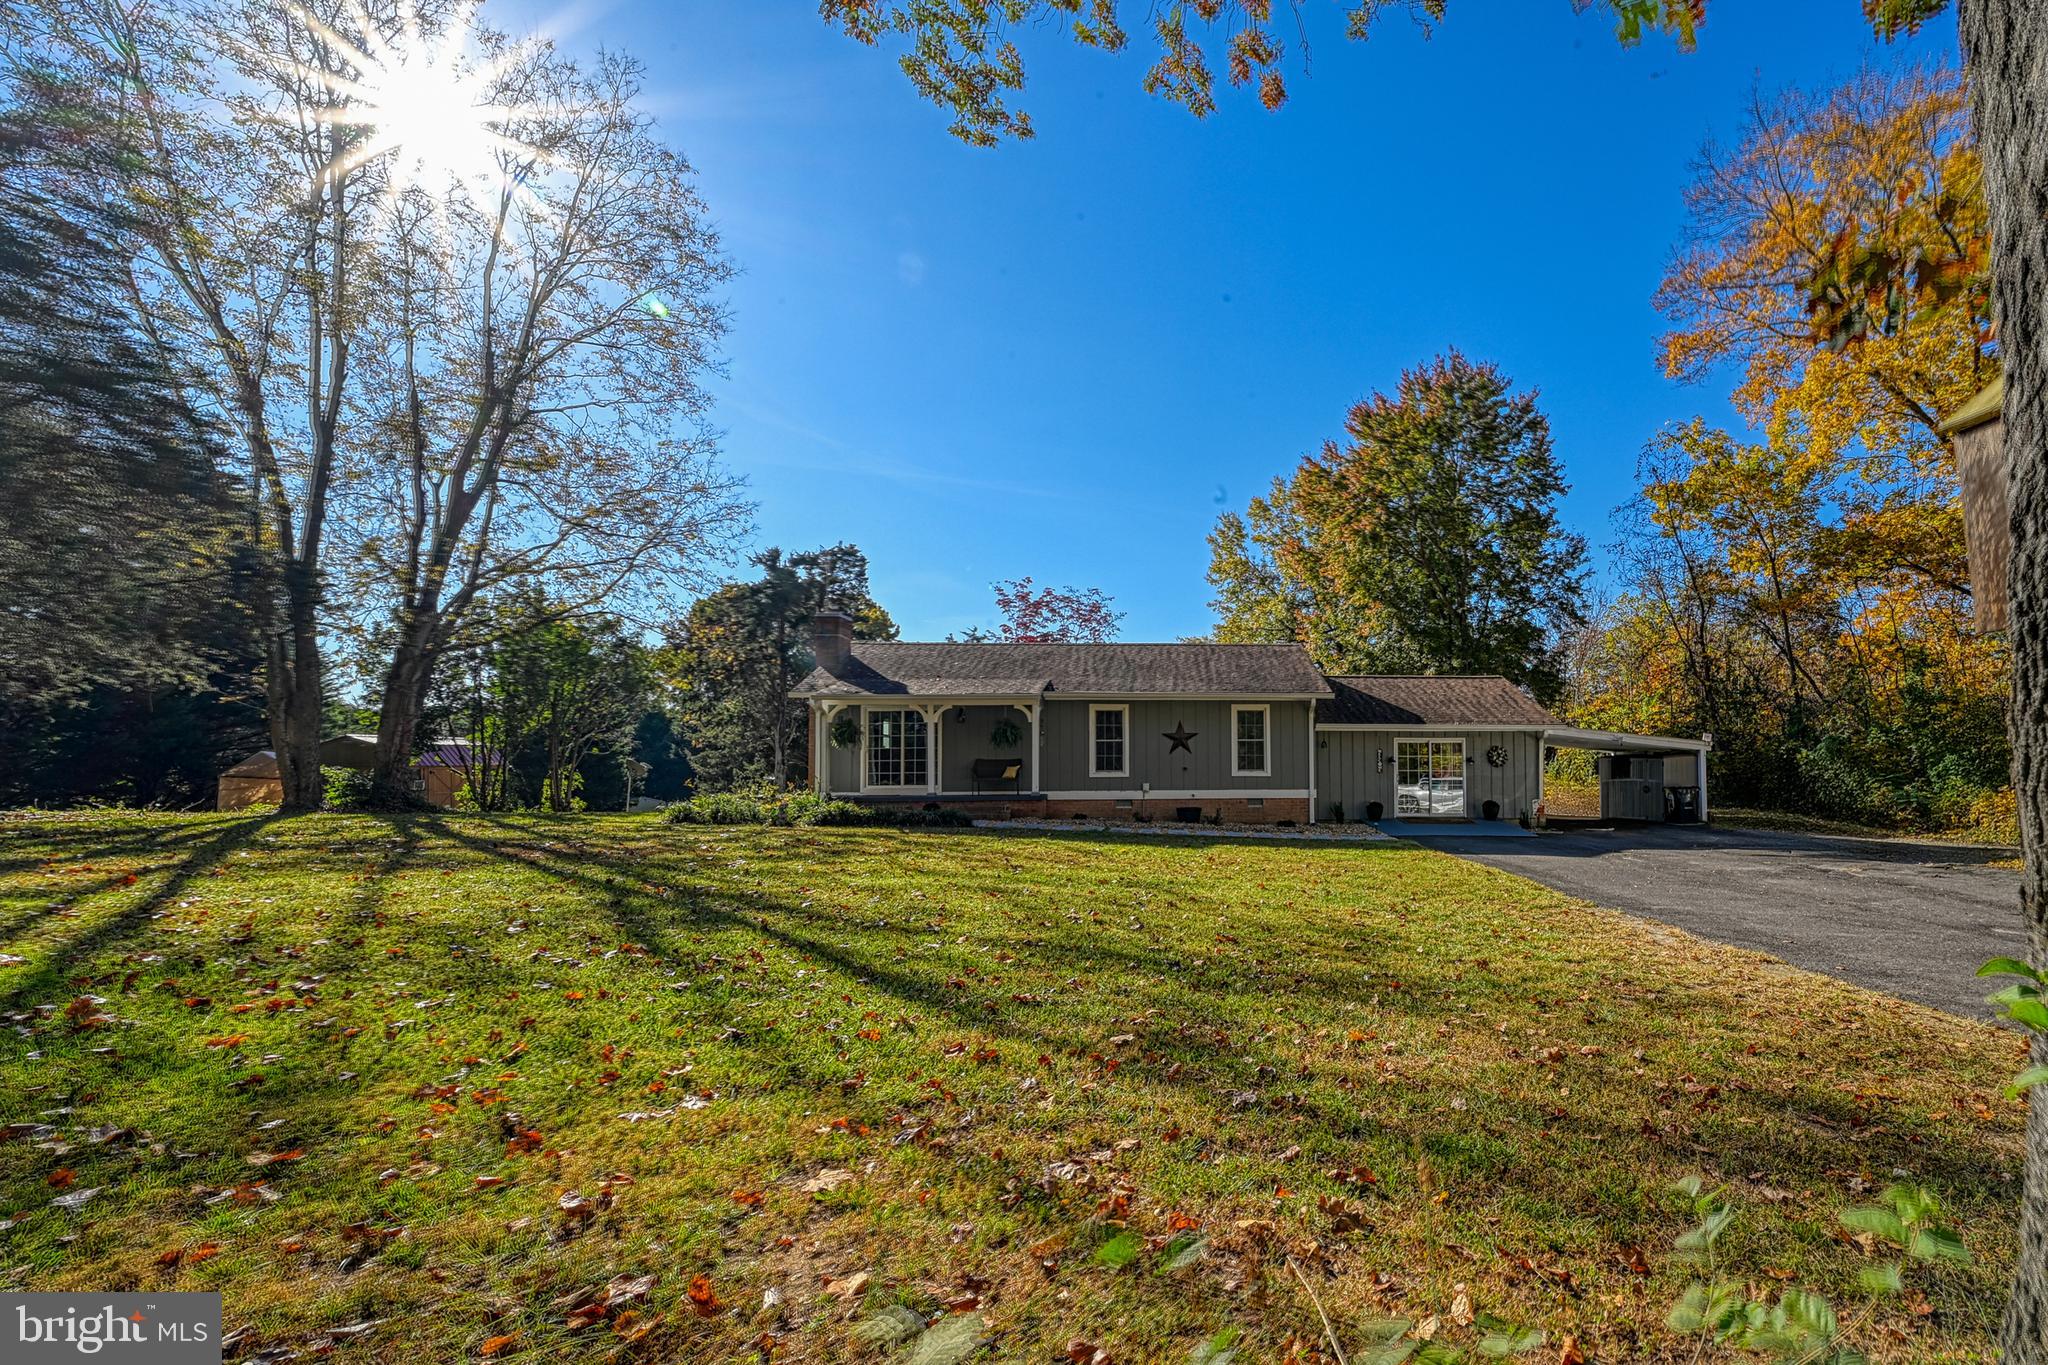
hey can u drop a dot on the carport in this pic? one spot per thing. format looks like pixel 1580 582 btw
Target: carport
pixel 1643 777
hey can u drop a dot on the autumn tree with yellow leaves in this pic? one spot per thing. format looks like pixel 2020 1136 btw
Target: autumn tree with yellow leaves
pixel 1805 595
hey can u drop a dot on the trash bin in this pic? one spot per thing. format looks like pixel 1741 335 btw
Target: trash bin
pixel 1682 805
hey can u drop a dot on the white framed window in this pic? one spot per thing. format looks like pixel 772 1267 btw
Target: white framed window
pixel 1109 747
pixel 899 745
pixel 1250 734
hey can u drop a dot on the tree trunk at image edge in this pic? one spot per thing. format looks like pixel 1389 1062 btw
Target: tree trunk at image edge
pixel 2005 49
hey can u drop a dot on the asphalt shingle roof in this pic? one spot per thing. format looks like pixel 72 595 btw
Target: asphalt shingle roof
pixel 895 668
pixel 1429 700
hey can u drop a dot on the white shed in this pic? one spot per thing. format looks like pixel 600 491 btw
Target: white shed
pixel 1644 777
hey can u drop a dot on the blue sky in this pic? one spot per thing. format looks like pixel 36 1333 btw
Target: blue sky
pixel 1064 358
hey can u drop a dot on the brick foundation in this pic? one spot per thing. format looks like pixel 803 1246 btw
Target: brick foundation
pixel 981 808
pixel 1233 810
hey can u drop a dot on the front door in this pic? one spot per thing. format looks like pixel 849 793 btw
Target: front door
pixel 1429 777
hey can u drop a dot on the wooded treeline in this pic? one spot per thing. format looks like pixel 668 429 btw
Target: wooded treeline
pixel 1799 588
pixel 1802 589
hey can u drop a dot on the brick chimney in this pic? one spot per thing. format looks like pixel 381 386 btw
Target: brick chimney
pixel 832 640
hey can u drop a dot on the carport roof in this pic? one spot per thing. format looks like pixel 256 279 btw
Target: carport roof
pixel 1614 742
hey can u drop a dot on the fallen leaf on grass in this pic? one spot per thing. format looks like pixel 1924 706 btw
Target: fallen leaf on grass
pixel 366 1233
pixel 77 1199
pixel 704 1299
pixel 827 1180
pixel 1220 1349
pixel 493 1345
pixel 354 1329
pixel 952 1340
pixel 267 1158
pixel 891 1326
pixel 1120 1250
pixel 851 1287
pixel 631 1326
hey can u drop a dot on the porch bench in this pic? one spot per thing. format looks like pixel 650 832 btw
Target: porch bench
pixel 1009 770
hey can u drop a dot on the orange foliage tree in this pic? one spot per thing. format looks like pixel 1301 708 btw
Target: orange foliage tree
pixel 1807 596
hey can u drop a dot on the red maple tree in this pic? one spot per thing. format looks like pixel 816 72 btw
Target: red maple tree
pixel 1069 616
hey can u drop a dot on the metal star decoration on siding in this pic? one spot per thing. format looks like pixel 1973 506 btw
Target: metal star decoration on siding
pixel 1180 735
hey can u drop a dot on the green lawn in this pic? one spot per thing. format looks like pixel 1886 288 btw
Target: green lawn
pixel 452 1078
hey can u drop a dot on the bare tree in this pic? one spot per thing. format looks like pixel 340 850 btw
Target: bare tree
pixel 450 293
pixel 541 377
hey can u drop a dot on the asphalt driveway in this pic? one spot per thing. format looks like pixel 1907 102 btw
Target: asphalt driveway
pixel 1910 919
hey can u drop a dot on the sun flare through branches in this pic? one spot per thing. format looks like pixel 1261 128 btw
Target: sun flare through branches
pixel 427 103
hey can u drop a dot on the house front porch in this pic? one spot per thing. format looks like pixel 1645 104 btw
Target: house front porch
pixel 920 750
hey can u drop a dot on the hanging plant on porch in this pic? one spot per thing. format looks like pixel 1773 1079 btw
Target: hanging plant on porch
pixel 845 731
pixel 1006 734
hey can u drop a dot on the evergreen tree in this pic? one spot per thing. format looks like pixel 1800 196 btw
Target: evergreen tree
pixel 734 659
pixel 127 654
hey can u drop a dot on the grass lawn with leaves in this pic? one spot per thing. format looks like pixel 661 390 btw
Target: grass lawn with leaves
pixel 538 1088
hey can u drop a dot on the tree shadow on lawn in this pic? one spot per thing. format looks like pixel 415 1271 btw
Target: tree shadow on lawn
pixel 1497 1152
pixel 102 835
pixel 1827 1128
pixel 62 955
pixel 29 903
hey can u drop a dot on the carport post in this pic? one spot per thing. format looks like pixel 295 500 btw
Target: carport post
pixel 1700 757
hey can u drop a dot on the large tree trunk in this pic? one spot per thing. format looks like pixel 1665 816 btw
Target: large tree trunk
pixel 292 687
pixel 2005 49
pixel 400 705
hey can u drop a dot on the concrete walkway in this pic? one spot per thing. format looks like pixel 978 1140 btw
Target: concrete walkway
pixel 1911 919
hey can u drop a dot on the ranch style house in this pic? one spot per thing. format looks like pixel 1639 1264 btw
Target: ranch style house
pixel 1252 734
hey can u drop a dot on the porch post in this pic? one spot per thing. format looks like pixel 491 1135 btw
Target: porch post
pixel 826 710
pixel 1031 710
